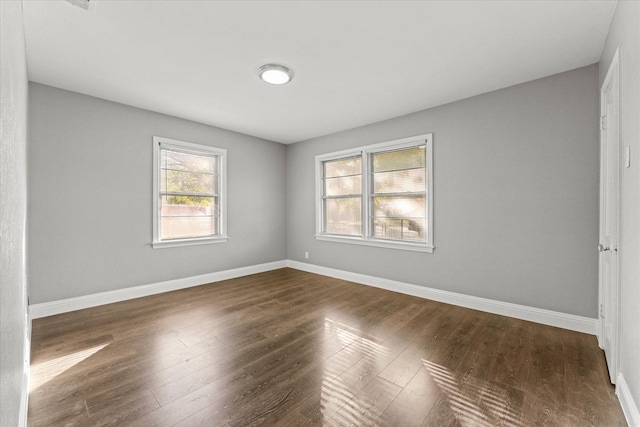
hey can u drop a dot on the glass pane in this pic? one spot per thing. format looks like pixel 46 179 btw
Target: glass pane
pixel 399 207
pixel 409 158
pixel 343 167
pixel 188 205
pixel 189 216
pixel 189 162
pixel 401 229
pixel 402 181
pixel 342 186
pixel 180 227
pixel 343 216
pixel 188 182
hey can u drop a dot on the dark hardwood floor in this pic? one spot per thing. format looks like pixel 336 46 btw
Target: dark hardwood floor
pixel 290 348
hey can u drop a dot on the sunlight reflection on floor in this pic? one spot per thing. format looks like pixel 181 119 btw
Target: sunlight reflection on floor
pixel 474 404
pixel 338 393
pixel 43 372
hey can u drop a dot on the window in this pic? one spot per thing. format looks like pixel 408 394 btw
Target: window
pixel 378 195
pixel 343 196
pixel 189 190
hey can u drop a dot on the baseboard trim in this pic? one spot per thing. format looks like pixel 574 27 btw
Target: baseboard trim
pixel 78 303
pixel 24 400
pixel 26 377
pixel 629 407
pixel 532 314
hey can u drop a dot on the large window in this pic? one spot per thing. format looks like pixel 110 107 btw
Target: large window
pixel 189 193
pixel 379 195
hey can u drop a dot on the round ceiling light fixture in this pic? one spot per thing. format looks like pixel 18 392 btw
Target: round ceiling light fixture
pixel 275 74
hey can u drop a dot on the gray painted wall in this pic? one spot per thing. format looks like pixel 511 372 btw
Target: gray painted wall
pixel 13 216
pixel 625 34
pixel 516 196
pixel 90 214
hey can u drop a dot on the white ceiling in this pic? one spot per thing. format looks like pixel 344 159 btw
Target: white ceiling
pixel 356 62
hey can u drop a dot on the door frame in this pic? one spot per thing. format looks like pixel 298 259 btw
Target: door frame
pixel 606 307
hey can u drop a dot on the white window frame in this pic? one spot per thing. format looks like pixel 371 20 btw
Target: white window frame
pixel 188 147
pixel 367 237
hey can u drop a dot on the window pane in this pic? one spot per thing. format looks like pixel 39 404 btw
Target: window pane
pixel 403 229
pixel 342 186
pixel 189 162
pixel 343 216
pixel 399 217
pixel 188 216
pixel 402 181
pixel 188 182
pixel 188 205
pixel 399 207
pixel 410 158
pixel 343 167
pixel 180 227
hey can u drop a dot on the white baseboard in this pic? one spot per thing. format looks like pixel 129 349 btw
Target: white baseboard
pixel 629 407
pixel 532 314
pixel 71 304
pixel 24 398
pixel 546 317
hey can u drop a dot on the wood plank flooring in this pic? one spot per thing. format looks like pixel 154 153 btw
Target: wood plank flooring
pixel 290 348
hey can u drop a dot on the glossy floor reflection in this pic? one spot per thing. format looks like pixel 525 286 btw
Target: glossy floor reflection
pixel 290 348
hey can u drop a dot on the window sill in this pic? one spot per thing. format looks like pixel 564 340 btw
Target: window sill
pixel 188 242
pixel 416 247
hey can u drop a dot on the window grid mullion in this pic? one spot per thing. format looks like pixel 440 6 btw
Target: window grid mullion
pixel 180 193
pixel 395 170
pixel 342 196
pixel 407 194
pixel 190 171
pixel 191 216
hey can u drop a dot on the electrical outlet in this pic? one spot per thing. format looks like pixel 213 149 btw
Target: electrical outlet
pixel 306 255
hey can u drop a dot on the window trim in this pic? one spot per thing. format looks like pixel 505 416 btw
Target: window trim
pixel 188 147
pixel 364 151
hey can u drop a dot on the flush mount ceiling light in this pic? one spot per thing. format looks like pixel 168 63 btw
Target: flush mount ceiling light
pixel 275 74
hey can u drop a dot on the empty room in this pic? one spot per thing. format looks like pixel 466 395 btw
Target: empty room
pixel 306 213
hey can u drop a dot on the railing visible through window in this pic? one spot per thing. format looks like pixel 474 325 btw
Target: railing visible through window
pixel 378 195
pixel 398 195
